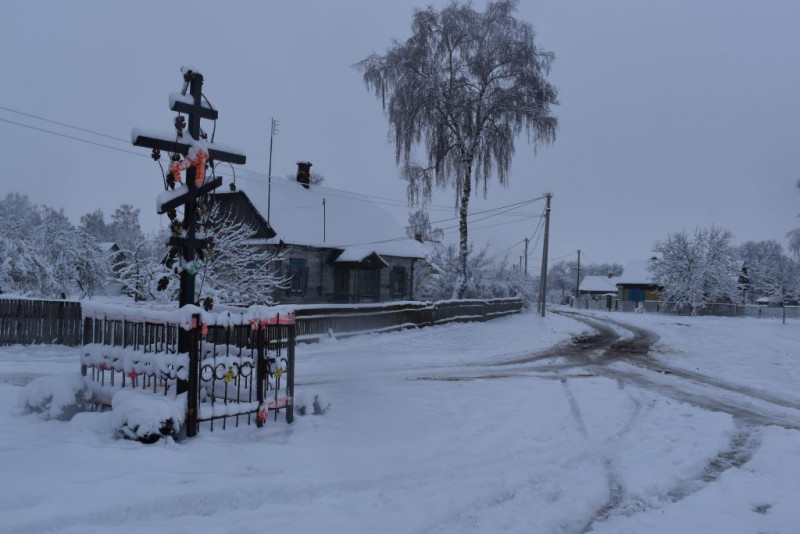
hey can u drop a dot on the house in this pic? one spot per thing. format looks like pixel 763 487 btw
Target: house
pixel 339 246
pixel 597 286
pixel 635 284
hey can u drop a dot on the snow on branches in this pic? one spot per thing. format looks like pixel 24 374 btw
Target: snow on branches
pixel 697 269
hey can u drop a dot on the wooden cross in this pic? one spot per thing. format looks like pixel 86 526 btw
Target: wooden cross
pixel 195 110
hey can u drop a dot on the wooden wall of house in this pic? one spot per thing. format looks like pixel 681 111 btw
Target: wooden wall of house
pixel 386 277
pixel 319 283
pixel 625 292
pixel 320 278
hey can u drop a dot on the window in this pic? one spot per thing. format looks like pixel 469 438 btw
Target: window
pixel 341 284
pixel 368 281
pixel 397 282
pixel 298 270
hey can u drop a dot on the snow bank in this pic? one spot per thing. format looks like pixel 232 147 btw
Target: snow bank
pixel 145 417
pixel 55 397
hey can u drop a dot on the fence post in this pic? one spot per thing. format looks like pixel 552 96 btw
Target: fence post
pixel 783 307
pixel 194 376
pixel 88 337
pixel 291 338
pixel 261 372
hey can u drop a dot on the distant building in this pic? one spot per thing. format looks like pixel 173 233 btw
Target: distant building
pixel 597 286
pixel 635 284
pixel 340 247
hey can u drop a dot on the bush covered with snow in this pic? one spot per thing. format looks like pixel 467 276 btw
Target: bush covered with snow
pixel 56 397
pixel 145 417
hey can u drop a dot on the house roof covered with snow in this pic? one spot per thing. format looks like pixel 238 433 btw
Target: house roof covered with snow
pixel 635 273
pixel 599 284
pixel 349 221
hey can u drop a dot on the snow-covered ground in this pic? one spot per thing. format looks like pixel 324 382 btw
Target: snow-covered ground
pixel 425 434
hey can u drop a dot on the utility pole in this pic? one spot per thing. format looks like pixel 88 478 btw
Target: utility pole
pixel 543 282
pixel 273 132
pixel 578 280
pixel 324 220
pixel 526 256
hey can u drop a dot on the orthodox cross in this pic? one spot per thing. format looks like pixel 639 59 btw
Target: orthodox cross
pixel 188 195
pixel 196 153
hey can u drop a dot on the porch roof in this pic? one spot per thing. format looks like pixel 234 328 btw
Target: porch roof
pixel 362 257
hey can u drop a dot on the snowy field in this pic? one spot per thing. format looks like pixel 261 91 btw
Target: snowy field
pixel 426 433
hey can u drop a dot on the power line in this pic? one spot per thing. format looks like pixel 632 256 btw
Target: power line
pixel 493 256
pixel 342 193
pixel 74 138
pixel 64 124
pixel 347 194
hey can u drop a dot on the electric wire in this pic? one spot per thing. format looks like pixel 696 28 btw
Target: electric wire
pixel 345 194
pixel 506 209
pixel 74 138
pixel 64 124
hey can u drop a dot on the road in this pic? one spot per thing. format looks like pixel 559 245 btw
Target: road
pixel 613 349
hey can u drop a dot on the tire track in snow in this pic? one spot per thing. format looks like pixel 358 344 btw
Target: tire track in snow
pixel 742 447
pixel 686 386
pixel 616 490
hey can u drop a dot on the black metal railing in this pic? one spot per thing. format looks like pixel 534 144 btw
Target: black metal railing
pixel 232 374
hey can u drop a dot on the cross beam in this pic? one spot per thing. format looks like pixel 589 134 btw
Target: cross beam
pixel 182 147
pixel 195 193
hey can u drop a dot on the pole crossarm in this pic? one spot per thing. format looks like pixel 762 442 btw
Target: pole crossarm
pixel 179 146
pixel 186 194
pixel 189 105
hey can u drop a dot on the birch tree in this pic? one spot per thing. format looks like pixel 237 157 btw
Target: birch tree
pixel 463 87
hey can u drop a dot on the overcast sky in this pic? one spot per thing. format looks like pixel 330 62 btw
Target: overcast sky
pixel 673 113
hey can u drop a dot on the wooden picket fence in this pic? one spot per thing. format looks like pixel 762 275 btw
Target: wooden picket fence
pixel 315 322
pixel 27 321
pixel 59 322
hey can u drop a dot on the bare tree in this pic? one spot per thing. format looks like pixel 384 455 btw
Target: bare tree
pixel 464 85
pixel 419 225
pixel 125 229
pixel 770 272
pixel 239 269
pixel 696 270
pixel 43 255
pixel 794 237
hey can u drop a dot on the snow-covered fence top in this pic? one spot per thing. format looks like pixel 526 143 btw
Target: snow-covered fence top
pixel 320 320
pixel 225 366
pixel 671 308
pixel 24 321
pixel 224 316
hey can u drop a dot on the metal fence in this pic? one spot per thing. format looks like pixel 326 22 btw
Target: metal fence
pixel 232 374
pixel 671 308
pixel 27 321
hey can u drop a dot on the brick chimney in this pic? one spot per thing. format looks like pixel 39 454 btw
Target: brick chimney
pixel 304 173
